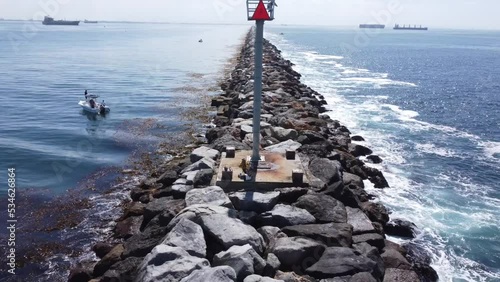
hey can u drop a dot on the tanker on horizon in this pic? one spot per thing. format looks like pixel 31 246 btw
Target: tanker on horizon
pixel 50 21
pixel 409 27
pixel 372 26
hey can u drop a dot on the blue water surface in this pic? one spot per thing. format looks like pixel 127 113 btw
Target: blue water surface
pixel 429 104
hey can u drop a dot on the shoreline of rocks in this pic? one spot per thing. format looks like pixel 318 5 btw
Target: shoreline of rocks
pixel 180 228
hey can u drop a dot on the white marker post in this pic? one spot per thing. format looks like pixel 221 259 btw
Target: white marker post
pixel 257 11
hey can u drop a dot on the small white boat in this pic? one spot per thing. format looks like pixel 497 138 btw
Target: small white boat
pixel 92 106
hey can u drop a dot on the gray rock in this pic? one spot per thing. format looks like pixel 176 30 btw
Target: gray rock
pixel 272 265
pixel 373 239
pixel 243 259
pixel 326 170
pixel 227 140
pixel 362 277
pixel 214 274
pixel 231 231
pixel 349 178
pixel 290 195
pixel 195 212
pixel 201 164
pixel 108 260
pixel 331 234
pixel 400 275
pixel 359 220
pixel 323 207
pixel 170 264
pixel 180 190
pixel 338 261
pixel 393 259
pixel 203 177
pixel 203 152
pixel 285 215
pixel 293 277
pixel 297 252
pixel 167 178
pixel 189 236
pixel 213 195
pixel 254 201
pixel 283 134
pixel 246 129
pixel 400 227
pixel 283 146
pixel 258 278
pixel 157 206
pixel 124 270
pixel 373 254
pixel 359 150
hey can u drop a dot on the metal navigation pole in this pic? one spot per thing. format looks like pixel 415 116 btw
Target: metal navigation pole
pixel 257 11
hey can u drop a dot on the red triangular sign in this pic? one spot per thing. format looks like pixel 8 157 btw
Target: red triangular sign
pixel 261 12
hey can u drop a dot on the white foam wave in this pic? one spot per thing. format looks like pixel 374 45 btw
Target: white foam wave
pixel 433 149
pixel 405 115
pixel 491 149
pixel 312 56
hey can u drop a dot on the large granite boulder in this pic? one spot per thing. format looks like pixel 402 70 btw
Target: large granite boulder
pixel 393 259
pixel 195 212
pixel 293 277
pixel 359 220
pixel 189 236
pixel 400 275
pixel 157 206
pixel 374 239
pixel 331 234
pixel 258 278
pixel 326 170
pixel 352 179
pixel 213 195
pixel 243 259
pixel 205 163
pixel 359 150
pixel 284 146
pixel 401 228
pixel 285 215
pixel 168 264
pixel 213 274
pixel 376 212
pixel 123 271
pixel 323 207
pixel 203 152
pixel 230 231
pixel 283 134
pixel 338 261
pixel 254 201
pixel 297 252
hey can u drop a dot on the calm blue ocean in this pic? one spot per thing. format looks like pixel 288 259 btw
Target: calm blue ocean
pixel 142 71
pixel 147 73
pixel 429 104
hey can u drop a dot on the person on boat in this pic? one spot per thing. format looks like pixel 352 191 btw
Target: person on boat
pixel 92 103
pixel 270 6
pixel 86 94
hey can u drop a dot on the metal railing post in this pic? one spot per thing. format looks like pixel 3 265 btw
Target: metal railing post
pixel 257 97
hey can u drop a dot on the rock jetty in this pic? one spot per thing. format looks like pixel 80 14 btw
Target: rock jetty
pixel 180 228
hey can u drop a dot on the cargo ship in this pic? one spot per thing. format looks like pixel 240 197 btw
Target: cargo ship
pixel 409 27
pixel 51 21
pixel 372 26
pixel 86 21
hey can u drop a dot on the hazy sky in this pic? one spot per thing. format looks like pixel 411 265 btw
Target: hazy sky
pixel 432 13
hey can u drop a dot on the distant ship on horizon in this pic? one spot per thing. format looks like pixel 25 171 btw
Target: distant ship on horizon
pixel 372 26
pixel 409 27
pixel 50 21
pixel 86 21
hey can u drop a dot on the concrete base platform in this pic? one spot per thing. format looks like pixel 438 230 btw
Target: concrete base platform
pixel 275 171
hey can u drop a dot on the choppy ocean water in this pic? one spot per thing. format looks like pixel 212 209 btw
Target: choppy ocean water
pixel 428 103
pixel 147 73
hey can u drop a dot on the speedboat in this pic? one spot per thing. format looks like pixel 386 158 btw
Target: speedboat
pixel 92 106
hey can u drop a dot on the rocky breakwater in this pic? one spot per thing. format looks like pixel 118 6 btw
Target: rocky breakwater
pixel 180 228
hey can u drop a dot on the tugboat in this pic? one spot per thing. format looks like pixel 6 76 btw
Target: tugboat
pixel 381 26
pixel 409 27
pixel 50 21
